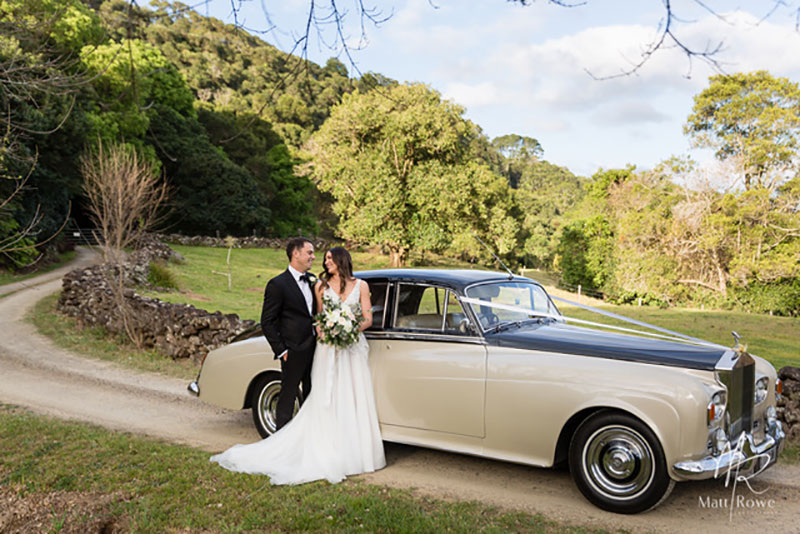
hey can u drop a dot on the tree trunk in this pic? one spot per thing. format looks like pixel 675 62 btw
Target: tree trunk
pixel 398 256
pixel 722 277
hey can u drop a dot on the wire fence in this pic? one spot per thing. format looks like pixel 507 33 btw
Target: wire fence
pixel 554 280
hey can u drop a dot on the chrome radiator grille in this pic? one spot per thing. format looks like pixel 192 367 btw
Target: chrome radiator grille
pixel 737 372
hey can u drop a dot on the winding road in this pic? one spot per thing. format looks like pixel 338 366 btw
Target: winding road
pixel 36 374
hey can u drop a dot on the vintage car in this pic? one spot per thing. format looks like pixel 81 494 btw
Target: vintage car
pixel 483 363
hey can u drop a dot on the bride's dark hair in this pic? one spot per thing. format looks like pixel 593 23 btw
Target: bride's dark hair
pixel 344 264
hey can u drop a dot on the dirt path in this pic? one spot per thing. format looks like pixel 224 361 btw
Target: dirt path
pixel 36 374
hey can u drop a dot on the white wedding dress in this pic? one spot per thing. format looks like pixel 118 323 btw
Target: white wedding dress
pixel 336 431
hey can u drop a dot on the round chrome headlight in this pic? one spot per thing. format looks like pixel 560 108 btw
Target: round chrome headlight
pixel 761 389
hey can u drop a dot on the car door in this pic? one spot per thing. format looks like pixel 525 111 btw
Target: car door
pixel 428 363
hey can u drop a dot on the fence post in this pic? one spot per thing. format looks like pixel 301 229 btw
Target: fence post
pixel 579 292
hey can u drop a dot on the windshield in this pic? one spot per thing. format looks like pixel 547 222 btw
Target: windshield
pixel 530 299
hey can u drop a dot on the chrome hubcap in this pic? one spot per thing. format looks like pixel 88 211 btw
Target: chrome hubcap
pixel 268 405
pixel 618 462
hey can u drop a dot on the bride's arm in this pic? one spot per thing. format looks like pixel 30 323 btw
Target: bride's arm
pixel 318 298
pixel 366 306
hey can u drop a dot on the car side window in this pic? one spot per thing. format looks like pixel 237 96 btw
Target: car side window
pixel 420 307
pixel 378 294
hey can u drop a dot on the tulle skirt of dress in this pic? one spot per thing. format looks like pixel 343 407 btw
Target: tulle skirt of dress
pixel 334 434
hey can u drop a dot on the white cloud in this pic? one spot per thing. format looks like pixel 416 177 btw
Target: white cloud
pixel 629 112
pixel 551 125
pixel 471 96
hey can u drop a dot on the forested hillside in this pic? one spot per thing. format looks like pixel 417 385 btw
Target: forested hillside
pixel 221 112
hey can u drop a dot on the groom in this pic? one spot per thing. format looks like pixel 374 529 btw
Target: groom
pixel 287 323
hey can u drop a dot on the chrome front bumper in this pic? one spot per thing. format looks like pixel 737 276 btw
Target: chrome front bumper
pixel 744 458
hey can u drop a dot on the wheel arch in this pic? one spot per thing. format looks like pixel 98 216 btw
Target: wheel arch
pixel 561 453
pixel 249 393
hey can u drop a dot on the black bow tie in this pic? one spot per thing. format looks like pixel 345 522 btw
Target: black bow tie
pixel 305 277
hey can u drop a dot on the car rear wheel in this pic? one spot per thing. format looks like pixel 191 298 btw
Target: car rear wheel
pixel 618 463
pixel 264 401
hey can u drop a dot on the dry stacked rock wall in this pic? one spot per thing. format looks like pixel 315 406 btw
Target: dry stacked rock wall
pixel 789 403
pixel 240 242
pixel 178 330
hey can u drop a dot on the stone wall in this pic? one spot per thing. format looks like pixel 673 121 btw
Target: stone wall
pixel 242 242
pixel 178 330
pixel 789 403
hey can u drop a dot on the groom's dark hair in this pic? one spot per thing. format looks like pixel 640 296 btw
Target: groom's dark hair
pixel 295 242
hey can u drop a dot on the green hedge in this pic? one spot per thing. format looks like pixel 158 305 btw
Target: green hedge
pixel 780 298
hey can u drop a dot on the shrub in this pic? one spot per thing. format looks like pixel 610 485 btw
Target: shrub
pixel 780 298
pixel 159 275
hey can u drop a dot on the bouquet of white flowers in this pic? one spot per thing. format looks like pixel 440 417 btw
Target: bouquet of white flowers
pixel 338 324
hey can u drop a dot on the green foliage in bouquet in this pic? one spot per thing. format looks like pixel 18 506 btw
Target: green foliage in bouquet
pixel 339 324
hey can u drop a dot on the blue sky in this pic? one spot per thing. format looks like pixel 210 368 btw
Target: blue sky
pixel 523 70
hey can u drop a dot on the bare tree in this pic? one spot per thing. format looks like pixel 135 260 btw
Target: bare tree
pixel 327 22
pixel 124 193
pixel 668 35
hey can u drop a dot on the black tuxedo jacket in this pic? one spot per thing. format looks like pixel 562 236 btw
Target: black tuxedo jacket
pixel 285 320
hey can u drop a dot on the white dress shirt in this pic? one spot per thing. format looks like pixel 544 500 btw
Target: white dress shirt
pixel 304 286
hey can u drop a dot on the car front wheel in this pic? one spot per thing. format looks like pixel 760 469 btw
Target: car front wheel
pixel 264 401
pixel 618 463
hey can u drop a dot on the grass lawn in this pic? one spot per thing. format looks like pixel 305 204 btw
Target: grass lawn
pixel 69 474
pixel 773 338
pixel 7 277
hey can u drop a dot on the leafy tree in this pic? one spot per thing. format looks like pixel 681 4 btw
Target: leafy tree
pixel 211 193
pixel 585 253
pixel 754 116
pixel 134 84
pixel 518 147
pixel 252 143
pixel 399 164
pixel 544 195
pixel 39 81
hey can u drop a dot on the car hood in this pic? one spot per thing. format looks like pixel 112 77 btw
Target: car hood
pixel 567 339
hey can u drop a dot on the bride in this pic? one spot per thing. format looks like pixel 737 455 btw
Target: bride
pixel 336 431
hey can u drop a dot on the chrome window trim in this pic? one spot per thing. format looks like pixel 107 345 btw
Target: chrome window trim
pixel 444 308
pixel 389 284
pixel 385 303
pixel 425 336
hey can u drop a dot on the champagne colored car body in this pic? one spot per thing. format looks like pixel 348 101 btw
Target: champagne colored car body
pixel 483 363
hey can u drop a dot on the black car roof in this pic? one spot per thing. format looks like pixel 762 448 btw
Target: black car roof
pixel 454 278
